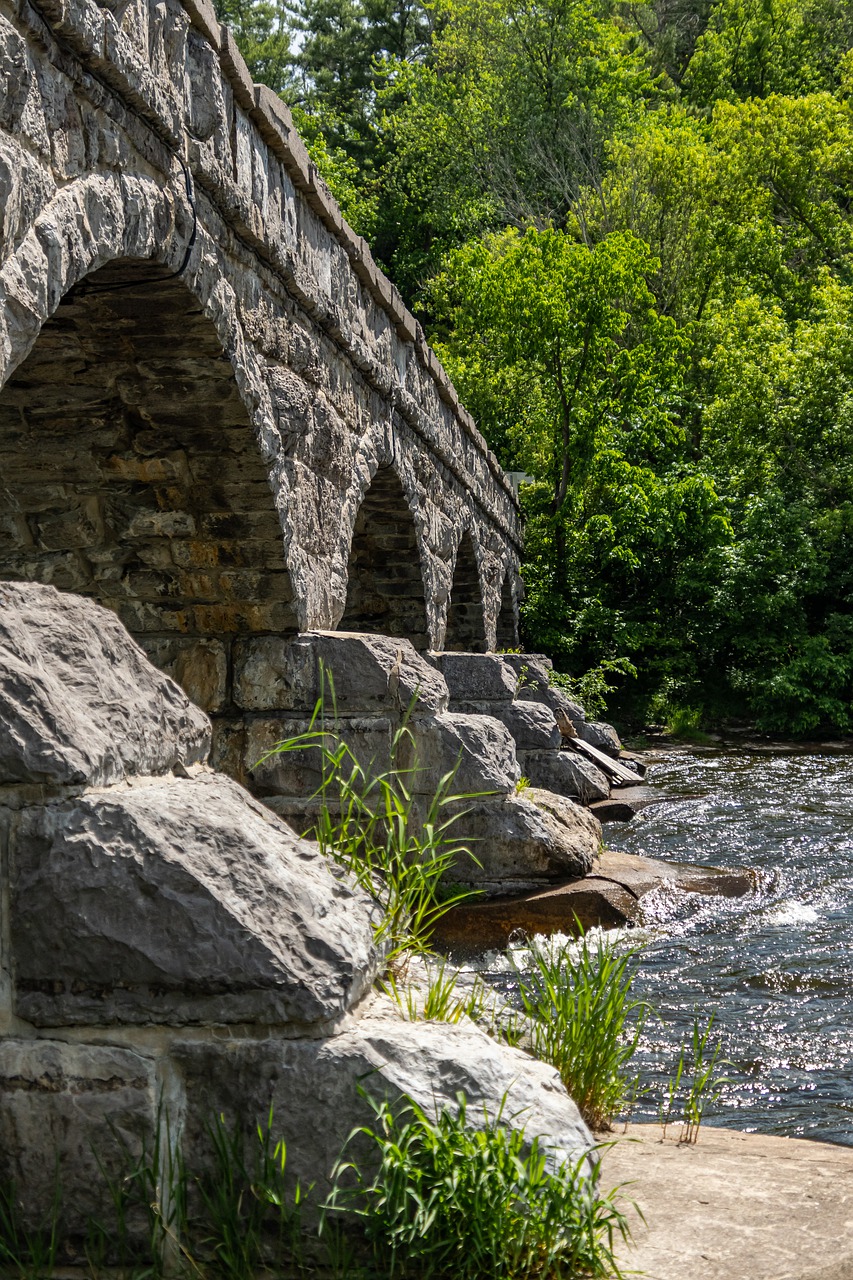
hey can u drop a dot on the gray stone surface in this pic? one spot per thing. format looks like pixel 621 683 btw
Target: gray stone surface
pixel 479 748
pixel 65 1108
pixel 79 701
pixel 525 840
pixel 600 735
pixel 534 673
pixel 565 772
pixel 312 1086
pixel 532 726
pixel 477 677
pixel 180 901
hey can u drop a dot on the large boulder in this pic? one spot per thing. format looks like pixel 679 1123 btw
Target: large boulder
pixel 566 773
pixel 180 901
pixel 524 841
pixel 80 704
pixel 477 681
pixel 313 1086
pixel 479 748
pixel 601 735
pixel 534 672
pixel 532 726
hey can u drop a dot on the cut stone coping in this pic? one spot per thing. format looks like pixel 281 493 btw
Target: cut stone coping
pixel 736 1206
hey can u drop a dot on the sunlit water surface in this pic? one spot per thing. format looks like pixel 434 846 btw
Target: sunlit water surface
pixel 775 966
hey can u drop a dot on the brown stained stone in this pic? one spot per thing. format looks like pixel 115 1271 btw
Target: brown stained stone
pixel 484 926
pixel 641 875
pixel 610 897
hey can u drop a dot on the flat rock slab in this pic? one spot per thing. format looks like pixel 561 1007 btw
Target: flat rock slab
pixel 641 875
pixel 609 897
pixel 736 1206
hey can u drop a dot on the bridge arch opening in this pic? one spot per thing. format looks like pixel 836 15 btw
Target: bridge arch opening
pixel 466 629
pixel 385 590
pixel 129 472
pixel 506 631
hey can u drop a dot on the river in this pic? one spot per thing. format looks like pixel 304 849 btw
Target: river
pixel 777 967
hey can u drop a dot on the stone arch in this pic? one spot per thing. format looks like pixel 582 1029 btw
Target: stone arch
pixel 130 472
pixel 385 584
pixel 466 629
pixel 506 631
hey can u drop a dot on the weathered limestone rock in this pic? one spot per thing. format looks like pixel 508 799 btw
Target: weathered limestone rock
pixel 593 903
pixel 312 1086
pixel 610 897
pixel 180 901
pixel 65 1108
pixel 534 672
pixel 480 748
pixel 566 773
pixel 79 701
pixel 600 735
pixel 525 840
pixel 355 672
pixel 532 726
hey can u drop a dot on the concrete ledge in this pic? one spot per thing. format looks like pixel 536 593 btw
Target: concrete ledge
pixel 736 1206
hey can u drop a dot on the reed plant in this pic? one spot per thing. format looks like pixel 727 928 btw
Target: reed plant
pixel 583 1019
pixel 695 1084
pixel 397 845
pixel 448 1198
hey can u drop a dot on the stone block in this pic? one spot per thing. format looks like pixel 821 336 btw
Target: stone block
pixel 313 1087
pixel 566 773
pixel 354 671
pixel 525 840
pixel 479 748
pixel 74 1112
pixel 79 701
pixel 534 673
pixel 600 735
pixel 180 901
pixel 234 66
pixel 299 772
pixel 477 677
pixel 532 726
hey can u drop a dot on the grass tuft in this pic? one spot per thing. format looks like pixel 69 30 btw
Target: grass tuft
pixel 583 1019
pixel 452 1199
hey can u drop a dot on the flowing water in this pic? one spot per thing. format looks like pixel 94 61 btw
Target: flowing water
pixel 776 967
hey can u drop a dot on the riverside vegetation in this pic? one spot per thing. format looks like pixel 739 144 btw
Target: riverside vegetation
pixel 413 1195
pixel 627 228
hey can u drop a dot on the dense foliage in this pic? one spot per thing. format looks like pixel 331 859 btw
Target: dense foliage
pixel 628 229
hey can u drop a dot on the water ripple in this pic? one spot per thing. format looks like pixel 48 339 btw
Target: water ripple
pixel 775 966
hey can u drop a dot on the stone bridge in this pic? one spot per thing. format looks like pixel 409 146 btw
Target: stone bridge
pixel 217 417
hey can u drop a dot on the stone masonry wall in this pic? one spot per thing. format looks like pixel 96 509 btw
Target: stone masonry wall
pixel 216 415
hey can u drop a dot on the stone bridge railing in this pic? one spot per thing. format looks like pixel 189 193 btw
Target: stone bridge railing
pixel 217 415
